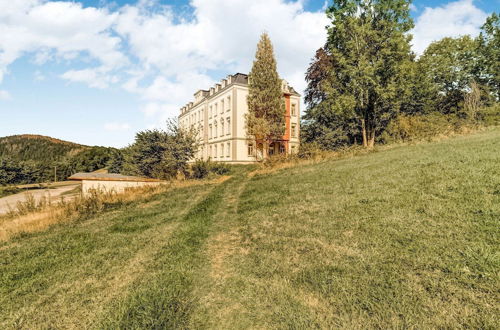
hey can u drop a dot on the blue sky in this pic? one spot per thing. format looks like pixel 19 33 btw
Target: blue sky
pixel 95 72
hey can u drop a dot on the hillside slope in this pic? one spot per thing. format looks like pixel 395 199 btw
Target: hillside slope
pixel 37 148
pixel 406 237
pixel 28 159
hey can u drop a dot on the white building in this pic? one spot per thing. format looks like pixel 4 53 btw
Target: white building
pixel 218 115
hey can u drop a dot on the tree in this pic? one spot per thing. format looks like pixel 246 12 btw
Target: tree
pixel 370 49
pixel 265 120
pixel 489 49
pixel 451 64
pixel 160 153
pixel 328 119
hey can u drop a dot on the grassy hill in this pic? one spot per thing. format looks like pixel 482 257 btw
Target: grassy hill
pixel 405 237
pixel 37 148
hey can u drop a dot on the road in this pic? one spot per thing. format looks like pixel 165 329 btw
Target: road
pixel 54 195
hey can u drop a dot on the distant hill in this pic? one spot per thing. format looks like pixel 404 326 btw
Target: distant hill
pixel 38 148
pixel 31 158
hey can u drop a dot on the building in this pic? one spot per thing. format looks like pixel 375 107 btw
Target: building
pixel 109 182
pixel 218 116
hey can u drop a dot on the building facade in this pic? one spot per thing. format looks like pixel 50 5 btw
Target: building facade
pixel 218 117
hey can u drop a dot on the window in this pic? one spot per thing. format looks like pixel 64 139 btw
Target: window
pixel 210 131
pixel 215 151
pixel 210 112
pixel 293 149
pixel 250 149
pixel 222 106
pixel 221 150
pixel 228 120
pixel 222 127
pixel 215 112
pixel 228 152
pixel 210 152
pixel 228 103
pixel 294 110
pixel 282 148
pixel 294 130
pixel 215 130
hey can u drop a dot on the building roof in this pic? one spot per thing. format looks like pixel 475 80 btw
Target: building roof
pixel 109 177
pixel 237 78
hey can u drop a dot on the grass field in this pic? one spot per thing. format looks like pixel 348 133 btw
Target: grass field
pixel 405 237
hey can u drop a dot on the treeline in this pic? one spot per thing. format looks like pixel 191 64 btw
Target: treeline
pixel 366 85
pixel 15 171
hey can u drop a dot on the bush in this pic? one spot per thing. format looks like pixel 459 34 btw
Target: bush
pixel 200 169
pixel 490 116
pixel 407 128
pixel 309 150
pixel 219 168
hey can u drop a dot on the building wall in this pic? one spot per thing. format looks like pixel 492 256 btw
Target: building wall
pixel 113 186
pixel 230 104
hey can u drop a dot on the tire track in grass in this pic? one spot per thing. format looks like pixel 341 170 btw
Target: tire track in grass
pixel 166 300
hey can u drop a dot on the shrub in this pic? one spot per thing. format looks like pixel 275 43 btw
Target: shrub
pixel 309 150
pixel 200 169
pixel 490 116
pixel 219 168
pixel 423 127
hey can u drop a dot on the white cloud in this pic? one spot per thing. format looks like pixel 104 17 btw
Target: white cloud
pixel 222 37
pixel 162 56
pixel 117 126
pixel 4 95
pixel 450 20
pixel 57 29
pixel 93 77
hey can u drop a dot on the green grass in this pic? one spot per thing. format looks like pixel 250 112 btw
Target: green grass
pixel 405 237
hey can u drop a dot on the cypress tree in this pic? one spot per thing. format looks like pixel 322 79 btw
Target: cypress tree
pixel 266 108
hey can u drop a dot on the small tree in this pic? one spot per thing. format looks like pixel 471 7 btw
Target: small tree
pixel 160 153
pixel 265 120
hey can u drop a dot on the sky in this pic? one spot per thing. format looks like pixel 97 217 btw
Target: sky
pixel 96 72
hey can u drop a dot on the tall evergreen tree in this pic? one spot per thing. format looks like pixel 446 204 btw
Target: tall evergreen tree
pixel 265 120
pixel 370 50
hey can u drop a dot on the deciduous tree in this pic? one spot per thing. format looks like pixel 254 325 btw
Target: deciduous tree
pixel 370 49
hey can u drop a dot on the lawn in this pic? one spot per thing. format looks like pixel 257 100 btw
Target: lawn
pixel 403 237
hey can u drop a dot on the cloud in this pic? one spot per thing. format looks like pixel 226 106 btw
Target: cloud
pixel 151 50
pixel 117 126
pixel 63 30
pixel 4 95
pixel 183 54
pixel 450 20
pixel 93 77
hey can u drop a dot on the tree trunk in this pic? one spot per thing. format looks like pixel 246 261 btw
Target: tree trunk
pixel 363 132
pixel 371 138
